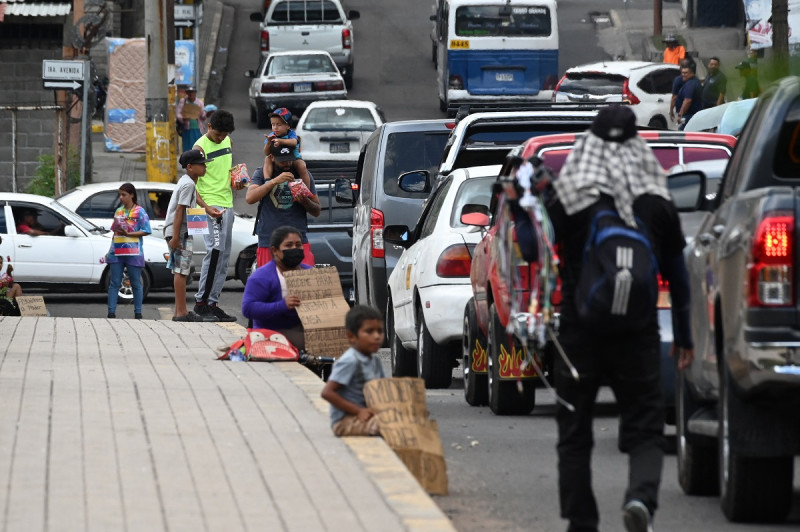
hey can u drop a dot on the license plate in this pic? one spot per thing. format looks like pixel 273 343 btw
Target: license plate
pixel 302 87
pixel 504 76
pixel 351 296
pixel 340 147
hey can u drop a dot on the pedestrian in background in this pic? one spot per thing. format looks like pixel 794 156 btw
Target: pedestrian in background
pixel 215 194
pixel 130 224
pixel 690 96
pixel 715 85
pixel 191 114
pixel 677 83
pixel 673 52
pixel 210 110
pixel 751 87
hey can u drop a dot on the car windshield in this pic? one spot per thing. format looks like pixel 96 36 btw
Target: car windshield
pixel 592 83
pixel 409 151
pixel 301 11
pixel 502 21
pixel 332 211
pixel 299 64
pixel 339 119
pixel 75 218
pixel 476 191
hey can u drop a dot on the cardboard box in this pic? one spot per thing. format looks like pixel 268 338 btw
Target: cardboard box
pixel 31 306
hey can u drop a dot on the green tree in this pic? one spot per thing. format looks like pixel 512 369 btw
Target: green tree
pixel 44 184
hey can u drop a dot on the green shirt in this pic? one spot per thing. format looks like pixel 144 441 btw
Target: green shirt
pixel 215 186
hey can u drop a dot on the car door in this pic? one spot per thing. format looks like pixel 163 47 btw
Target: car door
pixel 6 237
pixel 54 258
pixel 655 95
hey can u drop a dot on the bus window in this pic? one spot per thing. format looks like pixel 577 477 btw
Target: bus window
pixel 492 21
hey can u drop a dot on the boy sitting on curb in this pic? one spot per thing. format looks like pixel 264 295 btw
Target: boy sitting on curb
pixel 345 387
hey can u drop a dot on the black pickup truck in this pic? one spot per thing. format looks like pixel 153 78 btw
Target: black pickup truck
pixel 738 404
pixel 331 234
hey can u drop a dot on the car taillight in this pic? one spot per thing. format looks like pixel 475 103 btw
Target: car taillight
pixel 265 41
pixel 335 85
pixel 455 82
pixel 347 41
pixel 664 300
pixel 454 261
pixel 558 86
pixel 627 95
pixel 376 233
pixel 277 87
pixel 770 276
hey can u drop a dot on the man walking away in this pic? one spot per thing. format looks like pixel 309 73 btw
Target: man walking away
pixel 690 96
pixel 715 85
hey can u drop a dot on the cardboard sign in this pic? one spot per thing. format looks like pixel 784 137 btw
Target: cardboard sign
pixel 31 306
pixel 191 111
pixel 406 427
pixel 322 309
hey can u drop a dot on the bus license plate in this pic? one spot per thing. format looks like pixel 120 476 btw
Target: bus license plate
pixel 302 87
pixel 504 76
pixel 340 147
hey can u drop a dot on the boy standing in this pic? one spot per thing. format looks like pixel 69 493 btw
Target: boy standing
pixel 176 230
pixel 282 136
pixel 345 387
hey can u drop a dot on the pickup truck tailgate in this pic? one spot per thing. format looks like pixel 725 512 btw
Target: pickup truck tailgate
pixel 306 37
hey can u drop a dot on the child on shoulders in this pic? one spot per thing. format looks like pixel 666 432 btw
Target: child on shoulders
pixel 282 135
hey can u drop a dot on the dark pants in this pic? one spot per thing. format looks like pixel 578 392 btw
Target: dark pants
pixel 631 367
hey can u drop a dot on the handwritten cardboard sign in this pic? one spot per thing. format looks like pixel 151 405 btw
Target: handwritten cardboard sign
pixel 322 309
pixel 31 306
pixel 406 427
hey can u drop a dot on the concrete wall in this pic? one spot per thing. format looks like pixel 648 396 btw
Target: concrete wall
pixel 22 85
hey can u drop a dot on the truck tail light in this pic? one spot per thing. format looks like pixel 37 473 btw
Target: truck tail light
pixel 455 261
pixel 277 87
pixel 328 85
pixel 455 82
pixel 347 39
pixel 376 233
pixel 627 95
pixel 264 41
pixel 558 86
pixel 771 265
pixel 664 300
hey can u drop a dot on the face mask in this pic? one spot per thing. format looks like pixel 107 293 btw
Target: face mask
pixel 293 257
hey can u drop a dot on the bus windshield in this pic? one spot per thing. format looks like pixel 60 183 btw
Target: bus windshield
pixel 503 21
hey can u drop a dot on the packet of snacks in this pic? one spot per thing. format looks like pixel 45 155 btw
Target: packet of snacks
pixel 239 174
pixel 299 190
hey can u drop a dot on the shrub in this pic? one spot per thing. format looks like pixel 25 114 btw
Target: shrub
pixel 44 184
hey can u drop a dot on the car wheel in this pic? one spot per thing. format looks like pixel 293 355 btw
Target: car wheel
pixel 348 78
pixel 433 56
pixel 125 289
pixel 246 264
pixel 262 116
pixel 473 343
pixel 253 114
pixel 402 359
pixel 442 105
pixel 657 122
pixel 752 489
pixel 696 455
pixel 506 397
pixel 434 362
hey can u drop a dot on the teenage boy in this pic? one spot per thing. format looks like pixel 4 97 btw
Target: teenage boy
pixel 345 387
pixel 176 230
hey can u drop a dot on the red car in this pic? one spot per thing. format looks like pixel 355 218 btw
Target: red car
pixel 493 359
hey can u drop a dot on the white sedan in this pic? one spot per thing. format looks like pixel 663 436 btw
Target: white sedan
pixel 73 256
pixel 430 283
pixel 97 202
pixel 334 130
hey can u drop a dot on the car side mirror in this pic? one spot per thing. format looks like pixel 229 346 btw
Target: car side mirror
pixel 475 214
pixel 256 17
pixel 353 14
pixel 416 181
pixel 688 190
pixel 72 231
pixel 249 73
pixel 398 235
pixel 343 191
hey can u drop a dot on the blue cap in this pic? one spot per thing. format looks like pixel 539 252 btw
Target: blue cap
pixel 283 113
pixel 210 107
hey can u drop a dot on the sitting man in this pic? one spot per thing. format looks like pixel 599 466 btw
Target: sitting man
pixel 30 225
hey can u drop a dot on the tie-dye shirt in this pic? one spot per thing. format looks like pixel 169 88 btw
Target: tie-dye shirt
pixel 132 220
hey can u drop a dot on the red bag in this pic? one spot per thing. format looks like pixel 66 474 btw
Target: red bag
pixel 262 345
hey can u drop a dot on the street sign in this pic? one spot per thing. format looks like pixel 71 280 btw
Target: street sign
pixel 62 70
pixel 63 85
pixel 184 23
pixel 184 12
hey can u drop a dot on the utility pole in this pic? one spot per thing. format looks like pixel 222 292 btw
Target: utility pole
pixel 780 38
pixel 657 29
pixel 159 167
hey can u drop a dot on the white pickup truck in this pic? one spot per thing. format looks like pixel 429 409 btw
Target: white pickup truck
pixel 309 25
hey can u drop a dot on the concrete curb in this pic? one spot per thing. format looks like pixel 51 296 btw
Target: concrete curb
pixel 390 476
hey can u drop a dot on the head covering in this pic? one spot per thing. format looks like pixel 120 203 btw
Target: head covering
pixel 671 37
pixel 282 153
pixel 615 123
pixel 192 157
pixel 210 107
pixel 282 113
pixel 624 168
pixel 191 88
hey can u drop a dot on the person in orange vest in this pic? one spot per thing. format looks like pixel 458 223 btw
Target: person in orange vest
pixel 674 52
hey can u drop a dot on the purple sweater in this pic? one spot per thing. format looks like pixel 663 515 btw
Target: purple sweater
pixel 262 301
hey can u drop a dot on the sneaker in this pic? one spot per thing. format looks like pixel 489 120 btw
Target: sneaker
pixel 204 313
pixel 137 316
pixel 191 316
pixel 111 315
pixel 220 314
pixel 637 517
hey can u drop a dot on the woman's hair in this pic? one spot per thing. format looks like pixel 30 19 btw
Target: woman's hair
pixel 130 189
pixel 357 315
pixel 280 234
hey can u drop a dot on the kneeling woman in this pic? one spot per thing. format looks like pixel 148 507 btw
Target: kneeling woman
pixel 266 298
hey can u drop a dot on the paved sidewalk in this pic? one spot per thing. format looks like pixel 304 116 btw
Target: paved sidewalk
pixel 133 425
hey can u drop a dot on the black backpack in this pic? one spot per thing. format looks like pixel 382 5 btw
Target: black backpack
pixel 617 289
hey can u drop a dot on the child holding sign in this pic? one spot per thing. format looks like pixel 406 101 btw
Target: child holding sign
pixel 345 387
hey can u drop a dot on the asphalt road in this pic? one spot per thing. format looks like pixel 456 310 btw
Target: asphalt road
pixel 502 470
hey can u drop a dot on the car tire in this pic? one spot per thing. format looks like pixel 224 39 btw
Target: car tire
pixel 476 390
pixel 442 105
pixel 348 78
pixel 516 397
pixel 433 56
pixel 125 289
pixel 434 362
pixel 253 114
pixel 657 122
pixel 698 472
pixel 246 264
pixel 262 116
pixel 752 489
pixel 402 359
